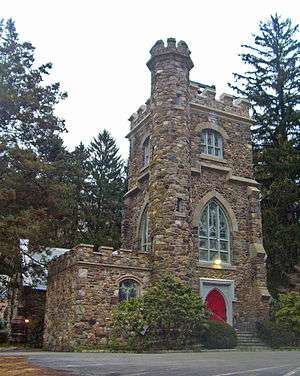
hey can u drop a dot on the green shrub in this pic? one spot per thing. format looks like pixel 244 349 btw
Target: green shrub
pixel 218 335
pixel 168 315
pixel 287 311
pixel 276 334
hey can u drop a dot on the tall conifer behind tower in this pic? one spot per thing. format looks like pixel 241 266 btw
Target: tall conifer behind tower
pixel 272 84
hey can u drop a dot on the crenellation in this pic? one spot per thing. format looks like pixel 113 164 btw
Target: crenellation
pixel 227 99
pixel 138 116
pixel 226 103
pixel 189 151
pixel 209 93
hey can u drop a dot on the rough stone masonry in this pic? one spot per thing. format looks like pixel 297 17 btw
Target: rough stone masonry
pixel 192 210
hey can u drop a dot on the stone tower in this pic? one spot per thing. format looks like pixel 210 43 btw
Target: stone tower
pixel 191 154
pixel 170 166
pixel 192 210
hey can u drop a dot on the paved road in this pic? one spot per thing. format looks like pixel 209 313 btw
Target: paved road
pixel 263 363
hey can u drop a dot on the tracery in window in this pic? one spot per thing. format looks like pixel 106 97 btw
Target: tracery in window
pixel 214 234
pixel 128 289
pixel 146 152
pixel 144 231
pixel 211 143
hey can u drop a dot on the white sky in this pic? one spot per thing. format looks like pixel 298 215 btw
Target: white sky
pixel 99 49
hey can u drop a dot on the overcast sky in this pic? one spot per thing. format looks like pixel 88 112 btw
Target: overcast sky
pixel 99 49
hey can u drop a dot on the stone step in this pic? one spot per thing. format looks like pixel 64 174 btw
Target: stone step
pixel 249 340
pixel 253 348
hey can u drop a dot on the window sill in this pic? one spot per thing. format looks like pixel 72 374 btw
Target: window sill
pixel 212 158
pixel 144 174
pixel 209 265
pixel 144 168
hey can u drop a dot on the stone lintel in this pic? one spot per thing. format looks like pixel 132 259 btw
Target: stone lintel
pixel 251 190
pixel 131 191
pixel 144 175
pixel 215 167
pixel 212 158
pixel 238 179
pixel 243 180
pixel 230 115
pixel 195 171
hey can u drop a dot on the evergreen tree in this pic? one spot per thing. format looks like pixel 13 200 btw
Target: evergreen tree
pixel 32 191
pixel 77 177
pixel 272 84
pixel 104 195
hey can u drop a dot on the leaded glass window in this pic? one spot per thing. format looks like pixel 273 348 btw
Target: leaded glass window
pixel 214 234
pixel 211 143
pixel 128 289
pixel 144 231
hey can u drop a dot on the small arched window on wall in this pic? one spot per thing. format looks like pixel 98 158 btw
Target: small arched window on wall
pixel 128 289
pixel 146 152
pixel 214 244
pixel 144 231
pixel 211 143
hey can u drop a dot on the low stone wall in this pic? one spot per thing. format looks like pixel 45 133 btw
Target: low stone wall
pixel 83 285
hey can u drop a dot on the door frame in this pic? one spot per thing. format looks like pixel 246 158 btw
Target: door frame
pixel 225 287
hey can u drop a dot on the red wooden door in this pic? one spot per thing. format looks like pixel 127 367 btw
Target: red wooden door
pixel 216 304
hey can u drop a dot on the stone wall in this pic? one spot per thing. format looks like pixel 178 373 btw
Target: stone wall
pixel 83 286
pixel 3 309
pixel 176 114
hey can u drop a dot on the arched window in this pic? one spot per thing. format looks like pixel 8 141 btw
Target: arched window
pixel 214 234
pixel 211 143
pixel 144 231
pixel 146 152
pixel 128 289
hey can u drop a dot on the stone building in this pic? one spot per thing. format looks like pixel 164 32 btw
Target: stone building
pixel 192 210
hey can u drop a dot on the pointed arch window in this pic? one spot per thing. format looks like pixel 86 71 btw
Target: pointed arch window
pixel 214 234
pixel 146 152
pixel 211 143
pixel 144 231
pixel 128 289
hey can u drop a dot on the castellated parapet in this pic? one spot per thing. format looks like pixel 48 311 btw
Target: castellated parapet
pixel 190 152
pixel 82 288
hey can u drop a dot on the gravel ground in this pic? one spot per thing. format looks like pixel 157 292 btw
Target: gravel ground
pixel 19 366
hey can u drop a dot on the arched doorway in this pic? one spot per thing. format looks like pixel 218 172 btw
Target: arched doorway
pixel 216 304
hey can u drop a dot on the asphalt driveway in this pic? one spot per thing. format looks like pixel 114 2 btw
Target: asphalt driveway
pixel 262 363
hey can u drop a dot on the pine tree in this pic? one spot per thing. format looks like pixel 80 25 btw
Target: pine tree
pixel 26 103
pixel 77 177
pixel 104 195
pixel 272 84
pixel 32 191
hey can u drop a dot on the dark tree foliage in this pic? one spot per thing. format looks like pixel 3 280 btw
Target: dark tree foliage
pixel 27 104
pixel 272 84
pixel 32 169
pixel 102 205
